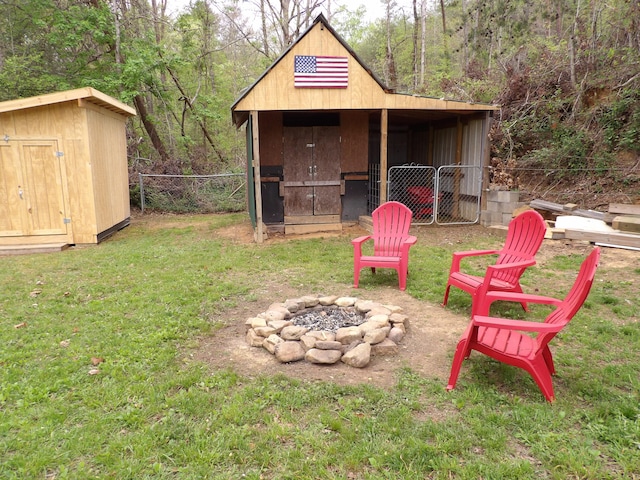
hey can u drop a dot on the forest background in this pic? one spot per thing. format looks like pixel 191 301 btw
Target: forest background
pixel 566 74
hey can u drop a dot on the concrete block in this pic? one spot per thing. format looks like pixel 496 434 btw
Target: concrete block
pixel 504 196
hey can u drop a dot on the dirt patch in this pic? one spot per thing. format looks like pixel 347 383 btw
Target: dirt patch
pixel 431 337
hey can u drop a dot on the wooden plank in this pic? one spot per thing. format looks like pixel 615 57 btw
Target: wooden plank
pixel 611 238
pixel 298 168
pixel 384 140
pixel 562 210
pixel 624 209
pixel 356 177
pixel 354 142
pixel 313 183
pixel 312 228
pixel 309 219
pixel 270 138
pixel 326 169
pixel 626 223
pixel 259 234
pixel 35 248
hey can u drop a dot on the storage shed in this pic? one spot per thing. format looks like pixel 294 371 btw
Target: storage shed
pixel 324 133
pixel 63 169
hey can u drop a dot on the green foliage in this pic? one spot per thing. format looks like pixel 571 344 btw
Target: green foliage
pixel 621 122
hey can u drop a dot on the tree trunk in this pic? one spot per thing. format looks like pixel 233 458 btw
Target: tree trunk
pixel 445 44
pixel 423 41
pixel 150 127
pixel 263 25
pixel 415 45
pixel 390 70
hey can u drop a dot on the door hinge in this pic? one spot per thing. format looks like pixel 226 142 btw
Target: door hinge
pixel 59 154
pixel 66 220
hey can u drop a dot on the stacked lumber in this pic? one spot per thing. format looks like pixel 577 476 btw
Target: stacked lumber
pixel 619 227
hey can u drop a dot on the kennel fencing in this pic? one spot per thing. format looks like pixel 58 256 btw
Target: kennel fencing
pixel 446 195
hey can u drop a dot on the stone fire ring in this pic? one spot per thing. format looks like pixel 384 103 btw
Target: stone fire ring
pixel 378 332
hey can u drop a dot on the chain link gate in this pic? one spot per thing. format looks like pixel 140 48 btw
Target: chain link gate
pixel 448 195
pixel 459 194
pixel 415 186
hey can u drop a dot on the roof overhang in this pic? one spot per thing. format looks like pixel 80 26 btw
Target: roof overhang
pixel 86 94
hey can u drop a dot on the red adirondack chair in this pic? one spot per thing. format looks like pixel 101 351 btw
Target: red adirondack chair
pixel 391 242
pixel 524 237
pixel 502 339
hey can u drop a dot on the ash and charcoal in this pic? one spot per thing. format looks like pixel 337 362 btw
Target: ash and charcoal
pixel 329 318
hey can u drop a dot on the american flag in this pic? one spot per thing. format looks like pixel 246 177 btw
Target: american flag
pixel 312 71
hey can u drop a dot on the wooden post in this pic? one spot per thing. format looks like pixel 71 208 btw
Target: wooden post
pixel 457 173
pixel 384 134
pixel 486 160
pixel 256 174
pixel 430 146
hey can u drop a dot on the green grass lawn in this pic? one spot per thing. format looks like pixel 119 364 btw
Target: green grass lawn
pixel 142 300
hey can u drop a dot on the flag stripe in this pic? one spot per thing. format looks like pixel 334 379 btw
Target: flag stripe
pixel 311 71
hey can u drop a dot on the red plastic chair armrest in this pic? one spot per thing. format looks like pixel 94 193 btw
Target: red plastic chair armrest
pixel 361 240
pixel 496 295
pixel 357 245
pixel 410 240
pixel 514 265
pixel 458 256
pixel 521 325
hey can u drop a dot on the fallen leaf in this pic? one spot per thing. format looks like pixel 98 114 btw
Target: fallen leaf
pixel 96 361
pixel 35 293
pixel 66 294
pixel 20 325
pixel 94 371
pixel 65 343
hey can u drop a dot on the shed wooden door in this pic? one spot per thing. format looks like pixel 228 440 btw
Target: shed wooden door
pixel 31 181
pixel 311 171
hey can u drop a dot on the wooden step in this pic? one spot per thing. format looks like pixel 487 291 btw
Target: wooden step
pixel 312 228
pixel 35 248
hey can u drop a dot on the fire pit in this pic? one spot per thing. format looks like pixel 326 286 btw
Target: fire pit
pixel 327 329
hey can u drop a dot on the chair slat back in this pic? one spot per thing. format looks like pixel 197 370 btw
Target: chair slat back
pixel 524 238
pixel 575 298
pixel 391 223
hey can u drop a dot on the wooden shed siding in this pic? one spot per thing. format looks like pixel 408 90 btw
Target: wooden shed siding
pixel 107 140
pixel 275 91
pixel 270 139
pixel 354 145
pixel 91 137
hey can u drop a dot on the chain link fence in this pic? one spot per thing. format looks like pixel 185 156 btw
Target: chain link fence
pixel 447 195
pixel 192 193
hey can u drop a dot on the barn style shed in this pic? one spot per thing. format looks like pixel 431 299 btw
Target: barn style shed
pixel 324 135
pixel 63 169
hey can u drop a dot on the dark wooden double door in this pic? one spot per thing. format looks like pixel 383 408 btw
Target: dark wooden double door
pixel 311 171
